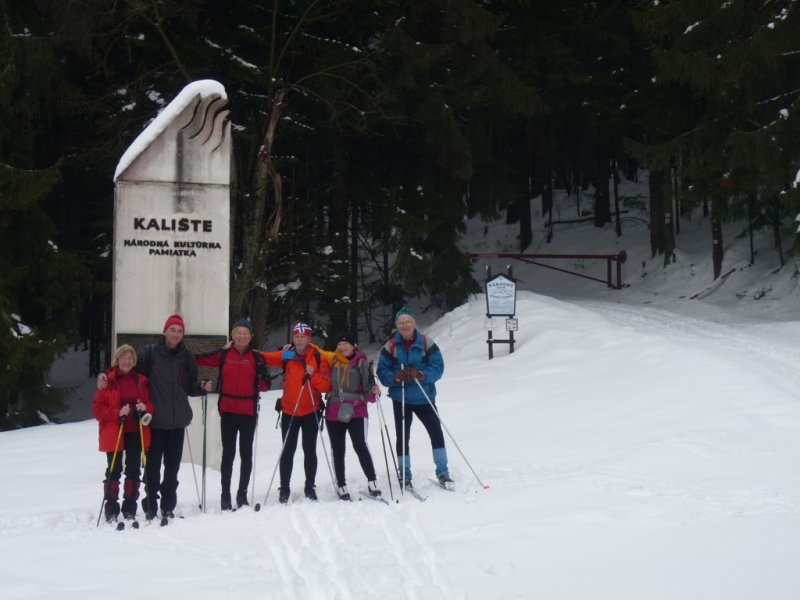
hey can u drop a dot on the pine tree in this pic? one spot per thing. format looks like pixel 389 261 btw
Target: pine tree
pixel 43 285
pixel 737 64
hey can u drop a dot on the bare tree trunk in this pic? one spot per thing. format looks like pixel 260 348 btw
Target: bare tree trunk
pixel 602 208
pixel 249 295
pixel 657 241
pixel 776 226
pixel 618 218
pixel 717 252
pixel 354 218
pixel 751 211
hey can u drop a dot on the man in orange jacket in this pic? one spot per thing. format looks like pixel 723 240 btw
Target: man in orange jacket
pixel 305 378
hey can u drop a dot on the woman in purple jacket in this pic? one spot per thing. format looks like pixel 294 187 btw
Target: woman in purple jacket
pixel 352 386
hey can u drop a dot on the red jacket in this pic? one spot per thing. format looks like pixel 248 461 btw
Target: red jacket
pixel 294 386
pixel 106 406
pixel 240 380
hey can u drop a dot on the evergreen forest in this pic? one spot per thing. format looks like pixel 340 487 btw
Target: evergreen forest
pixel 366 132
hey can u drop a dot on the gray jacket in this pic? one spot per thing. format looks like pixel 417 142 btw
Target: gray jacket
pixel 172 378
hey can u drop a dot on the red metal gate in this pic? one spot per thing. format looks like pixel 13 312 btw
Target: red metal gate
pixel 617 259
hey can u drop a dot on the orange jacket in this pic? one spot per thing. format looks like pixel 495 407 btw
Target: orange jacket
pixel 106 405
pixel 294 380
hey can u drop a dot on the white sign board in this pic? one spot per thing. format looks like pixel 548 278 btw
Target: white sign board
pixel 171 255
pixel 501 296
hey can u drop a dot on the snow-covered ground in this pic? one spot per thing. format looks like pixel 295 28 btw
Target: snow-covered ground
pixel 637 445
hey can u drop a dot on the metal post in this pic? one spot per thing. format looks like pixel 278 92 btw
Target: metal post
pixel 489 341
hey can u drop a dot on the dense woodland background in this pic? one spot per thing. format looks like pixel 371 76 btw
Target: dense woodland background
pixel 367 131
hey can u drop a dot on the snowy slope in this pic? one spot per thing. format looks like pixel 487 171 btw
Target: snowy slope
pixel 638 444
pixel 631 453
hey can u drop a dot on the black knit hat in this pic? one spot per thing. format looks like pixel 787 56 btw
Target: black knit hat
pixel 243 322
pixel 347 337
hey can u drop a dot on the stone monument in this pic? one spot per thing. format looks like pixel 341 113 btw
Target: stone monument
pixel 172 234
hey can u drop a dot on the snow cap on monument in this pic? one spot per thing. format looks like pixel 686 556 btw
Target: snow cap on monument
pixel 195 126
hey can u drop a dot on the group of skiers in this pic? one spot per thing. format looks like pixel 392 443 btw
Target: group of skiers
pixel 143 409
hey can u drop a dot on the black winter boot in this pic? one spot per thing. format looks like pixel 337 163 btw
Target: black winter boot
pixel 225 501
pixel 283 494
pixel 311 493
pixel 150 508
pixel 373 488
pixel 241 499
pixel 112 510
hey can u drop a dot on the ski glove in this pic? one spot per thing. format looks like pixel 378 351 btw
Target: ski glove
pixel 288 354
pixel 408 374
pixel 412 373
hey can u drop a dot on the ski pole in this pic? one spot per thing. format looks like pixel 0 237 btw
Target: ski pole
pixel 143 453
pixel 486 487
pixel 205 421
pixel 322 439
pixel 255 455
pixel 389 439
pixel 403 436
pixel 111 468
pixel 257 507
pixel 383 443
pixel 194 474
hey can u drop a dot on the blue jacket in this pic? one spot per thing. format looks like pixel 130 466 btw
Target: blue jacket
pixel 430 363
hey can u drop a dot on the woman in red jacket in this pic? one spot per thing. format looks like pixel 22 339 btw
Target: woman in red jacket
pixel 241 374
pixel 126 397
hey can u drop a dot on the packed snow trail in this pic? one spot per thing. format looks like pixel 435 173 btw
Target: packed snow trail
pixel 630 452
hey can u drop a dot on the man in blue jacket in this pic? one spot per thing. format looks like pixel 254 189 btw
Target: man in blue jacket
pixel 407 358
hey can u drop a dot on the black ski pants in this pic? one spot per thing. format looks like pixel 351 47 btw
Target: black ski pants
pixel 244 426
pixel 290 430
pixel 357 427
pixel 132 458
pixel 427 417
pixel 165 445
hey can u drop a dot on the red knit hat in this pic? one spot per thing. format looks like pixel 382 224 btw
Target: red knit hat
pixel 174 320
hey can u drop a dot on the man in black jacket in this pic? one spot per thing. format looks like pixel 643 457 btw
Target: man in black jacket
pixel 172 374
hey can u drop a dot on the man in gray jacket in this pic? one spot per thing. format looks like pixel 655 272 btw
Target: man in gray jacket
pixel 172 374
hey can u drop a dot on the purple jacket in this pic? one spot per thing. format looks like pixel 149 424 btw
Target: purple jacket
pixel 351 383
